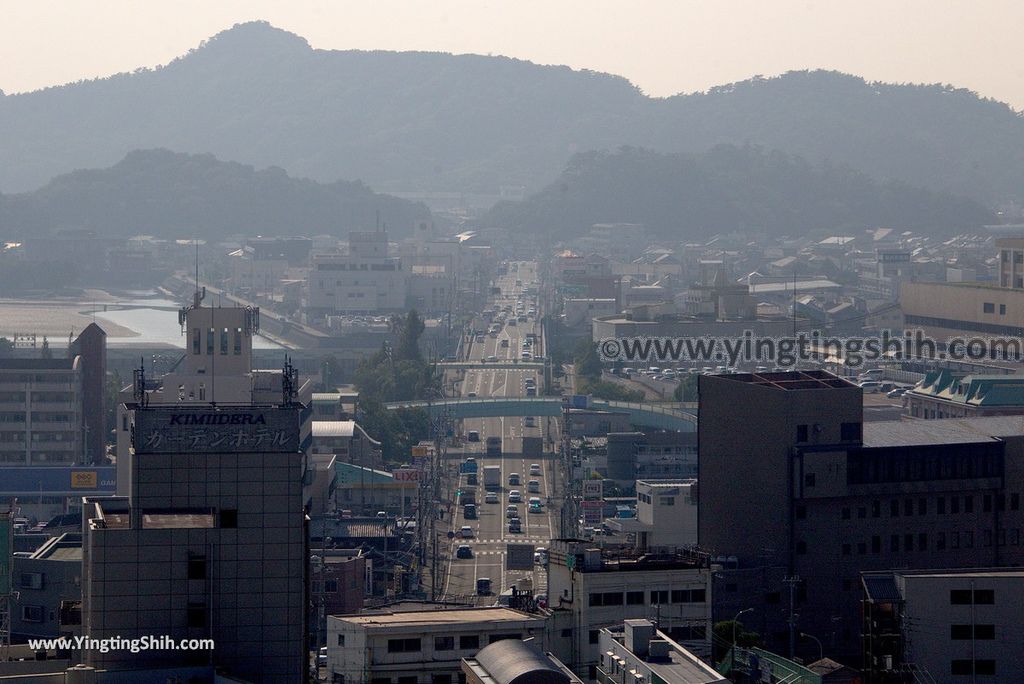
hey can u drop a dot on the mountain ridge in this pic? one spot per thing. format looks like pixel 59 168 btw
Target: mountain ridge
pixel 429 121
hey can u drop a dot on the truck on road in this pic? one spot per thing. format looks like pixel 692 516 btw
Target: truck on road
pixel 494 446
pixel 492 478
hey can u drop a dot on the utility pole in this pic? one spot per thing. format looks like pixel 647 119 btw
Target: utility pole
pixel 792 582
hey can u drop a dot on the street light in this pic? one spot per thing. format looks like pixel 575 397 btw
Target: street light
pixel 821 649
pixel 734 621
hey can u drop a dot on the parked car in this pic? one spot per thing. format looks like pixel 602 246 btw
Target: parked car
pixel 871 386
pixel 896 393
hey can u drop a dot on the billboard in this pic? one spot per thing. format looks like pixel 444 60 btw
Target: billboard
pixel 407 475
pixel 6 549
pixel 519 556
pixel 210 429
pixel 592 511
pixel 593 489
pixel 84 479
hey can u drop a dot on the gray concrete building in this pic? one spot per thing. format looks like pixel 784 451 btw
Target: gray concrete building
pixel 46 581
pixel 638 651
pixel 806 496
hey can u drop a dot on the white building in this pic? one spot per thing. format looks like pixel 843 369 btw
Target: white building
pixel 666 515
pixel 956 625
pixel 419 646
pixel 589 591
pixel 366 280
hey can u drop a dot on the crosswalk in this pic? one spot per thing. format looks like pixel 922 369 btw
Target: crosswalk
pixel 511 540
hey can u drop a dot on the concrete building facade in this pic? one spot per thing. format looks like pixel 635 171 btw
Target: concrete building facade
pixel 419 646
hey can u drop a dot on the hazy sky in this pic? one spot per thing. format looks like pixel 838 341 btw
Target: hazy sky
pixel 663 46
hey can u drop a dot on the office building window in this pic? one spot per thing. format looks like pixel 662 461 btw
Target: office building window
pixel 801 512
pixel 850 432
pixel 986 503
pixel 210 335
pixel 969 504
pixel 908 507
pixel 862 548
pixel 229 518
pixel 940 541
pixel 894 543
pixel 1014 502
pixel 238 341
pixel 908 542
pixel 404 645
pixel 894 508
pixel 846 549
pixel 940 505
pixel 876 508
pixel 846 514
pixel 876 544
pixel 444 643
pixel 196 615
pixel 634 598
pixel 658 596
pixel 341 640
pixel 801 547
pixel 862 512
pixel 197 567
pixel 612 598
pixel 988 307
pixel 801 433
pixel 224 342
pixel 922 506
pixel 809 480
pixel 469 642
pixel 594 636
pixel 960 632
pixel 954 504
pixel 196 341
pixel 984 597
pixel 922 542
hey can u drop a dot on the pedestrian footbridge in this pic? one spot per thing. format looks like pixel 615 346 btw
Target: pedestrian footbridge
pixel 664 416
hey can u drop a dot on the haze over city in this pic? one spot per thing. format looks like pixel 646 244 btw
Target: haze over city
pixel 511 343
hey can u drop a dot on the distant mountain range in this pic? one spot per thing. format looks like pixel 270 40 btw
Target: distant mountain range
pixel 428 121
pixel 174 195
pixel 728 188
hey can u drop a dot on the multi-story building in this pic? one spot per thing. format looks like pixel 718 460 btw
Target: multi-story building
pixel 52 419
pixel 210 543
pixel 943 625
pixel 651 455
pixel 366 280
pixel 944 395
pixel 637 650
pixel 46 580
pixel 666 513
pixel 805 496
pixel 419 646
pixel 590 589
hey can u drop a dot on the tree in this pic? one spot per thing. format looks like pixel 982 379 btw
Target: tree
pixel 723 635
pixel 330 373
pixel 686 390
pixel 6 347
pixel 587 362
pixel 409 330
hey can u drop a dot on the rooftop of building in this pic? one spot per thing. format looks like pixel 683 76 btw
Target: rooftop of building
pixel 511 661
pixel 333 428
pixel 676 665
pixel 890 433
pixel 678 482
pixel 437 618
pixel 975 390
pixel 790 380
pixel 40 364
pixel 66 547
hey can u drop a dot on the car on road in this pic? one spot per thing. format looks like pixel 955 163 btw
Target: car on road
pixel 871 386
pixel 466 532
pixel 514 525
pixel 473 436
pixel 531 391
pixel 321 657
pixel 512 511
pixel 491 497
pixel 527 355
pixel 529 421
pixel 469 512
pixel 896 393
pixel 471 479
pixel 514 496
pixel 491 359
pixel 513 479
pixel 535 469
pixel 464 551
pixel 504 343
pixel 471 395
pixel 483 586
pixel 535 508
pixel 533 486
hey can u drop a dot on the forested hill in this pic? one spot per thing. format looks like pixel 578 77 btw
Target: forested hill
pixel 162 193
pixel 728 188
pixel 432 121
